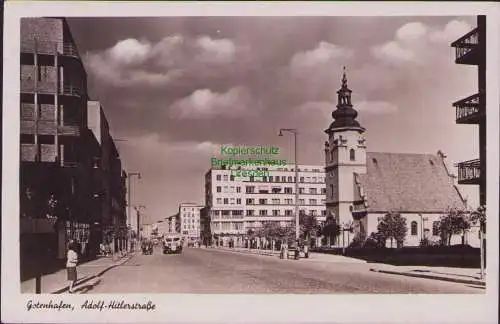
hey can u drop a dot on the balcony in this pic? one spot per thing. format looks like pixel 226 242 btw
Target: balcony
pixel 467 49
pixel 469 172
pixel 69 130
pixel 468 110
pixel 49 48
pixel 50 87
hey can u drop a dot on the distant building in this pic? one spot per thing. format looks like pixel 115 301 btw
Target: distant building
pixel 363 187
pixel 174 224
pixel 189 218
pixel 237 204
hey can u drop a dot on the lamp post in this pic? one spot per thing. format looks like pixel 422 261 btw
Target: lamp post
pixel 129 218
pixel 295 133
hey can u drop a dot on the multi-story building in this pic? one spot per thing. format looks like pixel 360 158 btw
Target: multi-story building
pixel 470 49
pixel 189 221
pixel 56 147
pixel 110 187
pixel 236 204
pixel 174 224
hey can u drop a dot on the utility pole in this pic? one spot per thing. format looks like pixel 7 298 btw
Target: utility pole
pixel 295 133
pixel 129 216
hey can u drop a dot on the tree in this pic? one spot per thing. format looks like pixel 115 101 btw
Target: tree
pixel 308 226
pixel 331 230
pixel 479 217
pixel 453 223
pixel 375 240
pixel 393 226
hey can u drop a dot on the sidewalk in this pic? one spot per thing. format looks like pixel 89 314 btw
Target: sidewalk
pixel 458 275
pixel 56 283
pixel 313 256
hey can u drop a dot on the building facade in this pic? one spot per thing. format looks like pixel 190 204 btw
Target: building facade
pixel 470 49
pixel 56 165
pixel 189 221
pixel 237 204
pixel 110 190
pixel 362 187
pixel 71 181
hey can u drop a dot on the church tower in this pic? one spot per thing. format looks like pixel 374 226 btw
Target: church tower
pixel 345 154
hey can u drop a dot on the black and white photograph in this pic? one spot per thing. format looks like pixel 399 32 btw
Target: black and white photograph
pixel 237 154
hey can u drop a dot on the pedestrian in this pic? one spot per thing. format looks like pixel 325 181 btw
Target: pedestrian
pixel 72 261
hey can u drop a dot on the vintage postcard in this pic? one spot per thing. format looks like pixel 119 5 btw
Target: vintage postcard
pixel 250 162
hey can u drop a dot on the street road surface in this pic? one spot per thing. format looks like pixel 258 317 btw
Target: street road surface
pixel 215 271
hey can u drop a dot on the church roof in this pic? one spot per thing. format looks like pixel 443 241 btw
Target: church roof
pixel 407 183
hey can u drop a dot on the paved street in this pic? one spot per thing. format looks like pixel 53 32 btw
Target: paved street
pixel 215 271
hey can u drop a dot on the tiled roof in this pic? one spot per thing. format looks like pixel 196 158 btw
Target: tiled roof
pixel 407 182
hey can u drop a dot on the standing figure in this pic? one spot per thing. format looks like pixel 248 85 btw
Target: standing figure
pixel 72 261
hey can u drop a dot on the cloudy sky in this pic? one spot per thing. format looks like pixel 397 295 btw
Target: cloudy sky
pixel 177 88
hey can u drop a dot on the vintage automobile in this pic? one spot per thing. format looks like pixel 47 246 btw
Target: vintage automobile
pixel 147 247
pixel 172 243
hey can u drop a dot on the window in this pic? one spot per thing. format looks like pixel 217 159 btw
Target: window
pixel 301 179
pixel 302 201
pixel 352 155
pixel 270 178
pixel 313 191
pixel 262 201
pixel 323 191
pixel 323 213
pixel 238 201
pixel 264 179
pixel 225 177
pixel 232 201
pixel 238 189
pixel 314 179
pixel 288 212
pixel 288 190
pixel 276 212
pixel 219 201
pixel 226 201
pixel 283 179
pixel 331 191
pixel 277 179
pixel 435 228
pixel 313 202
pixel 301 190
pixel 252 178
pixel 276 190
pixel 290 179
pixel 276 201
pixel 249 201
pixel 250 189
pixel 413 228
pixel 263 212
pixel 288 201
pixel 219 189
pixel 250 212
pixel 231 189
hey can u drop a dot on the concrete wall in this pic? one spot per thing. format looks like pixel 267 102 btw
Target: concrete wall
pixel 45 29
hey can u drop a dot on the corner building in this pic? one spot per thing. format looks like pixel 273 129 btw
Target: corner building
pixel 234 205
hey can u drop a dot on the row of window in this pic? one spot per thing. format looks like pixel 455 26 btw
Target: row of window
pixel 275 179
pixel 264 212
pixel 263 201
pixel 414 228
pixel 218 226
pixel 191 227
pixel 352 155
pixel 276 190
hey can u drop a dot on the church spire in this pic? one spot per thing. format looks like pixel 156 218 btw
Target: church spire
pixel 345 115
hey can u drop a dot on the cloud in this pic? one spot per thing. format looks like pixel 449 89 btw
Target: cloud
pixel 130 61
pixel 204 103
pixel 376 107
pixel 323 54
pixel 218 50
pixel 416 42
pixel 394 52
pixel 453 30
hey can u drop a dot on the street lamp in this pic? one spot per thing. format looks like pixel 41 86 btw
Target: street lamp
pixel 138 211
pixel 295 133
pixel 129 218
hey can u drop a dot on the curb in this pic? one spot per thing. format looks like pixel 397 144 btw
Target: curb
pixel 100 273
pixel 407 274
pixel 250 252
